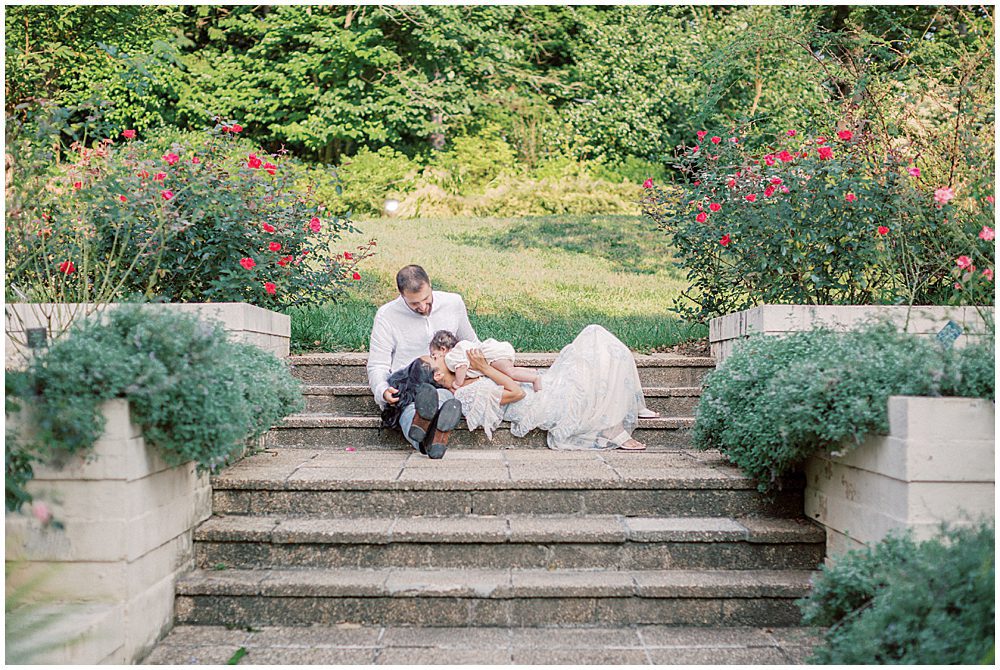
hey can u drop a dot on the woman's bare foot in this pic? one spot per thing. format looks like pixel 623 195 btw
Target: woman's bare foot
pixel 648 414
pixel 632 444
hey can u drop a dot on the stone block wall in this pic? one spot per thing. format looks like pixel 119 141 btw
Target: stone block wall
pixel 725 331
pixel 109 577
pixel 936 464
pixel 244 323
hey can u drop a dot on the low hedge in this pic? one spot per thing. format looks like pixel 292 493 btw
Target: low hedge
pixel 903 602
pixel 777 400
pixel 196 395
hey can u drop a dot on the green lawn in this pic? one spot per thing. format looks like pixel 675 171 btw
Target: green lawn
pixel 532 281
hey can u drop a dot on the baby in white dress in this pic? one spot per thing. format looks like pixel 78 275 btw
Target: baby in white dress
pixel 499 354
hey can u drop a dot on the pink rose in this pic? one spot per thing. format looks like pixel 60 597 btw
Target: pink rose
pixel 914 171
pixel 785 157
pixel 648 183
pixel 850 197
pixel 769 159
pixel 715 207
pixel 248 263
pixel 963 262
pixel 776 180
pixel 988 274
pixel 986 234
pixel 167 195
pixel 790 133
pixel 129 134
pixel 702 217
pixel 825 153
pixel 943 195
pixel 171 158
pixel 716 139
pixel 314 224
pixel 701 134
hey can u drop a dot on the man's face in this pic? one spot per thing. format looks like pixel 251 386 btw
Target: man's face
pixel 421 300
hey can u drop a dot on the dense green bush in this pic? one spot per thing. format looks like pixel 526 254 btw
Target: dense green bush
pixel 196 395
pixel 777 400
pixel 900 602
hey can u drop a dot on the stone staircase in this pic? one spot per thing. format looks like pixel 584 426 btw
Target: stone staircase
pixel 334 522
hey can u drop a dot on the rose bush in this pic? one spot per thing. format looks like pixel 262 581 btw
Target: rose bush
pixel 184 217
pixel 822 219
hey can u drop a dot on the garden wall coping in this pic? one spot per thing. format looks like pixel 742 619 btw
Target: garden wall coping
pixel 244 322
pixel 927 320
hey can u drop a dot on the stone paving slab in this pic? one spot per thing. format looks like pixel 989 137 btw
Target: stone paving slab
pixel 478 469
pixel 348 644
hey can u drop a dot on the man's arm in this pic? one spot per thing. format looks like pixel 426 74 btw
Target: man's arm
pixel 380 351
pixel 464 331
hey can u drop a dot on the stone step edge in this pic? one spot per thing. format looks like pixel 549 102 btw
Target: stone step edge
pixel 328 420
pixel 507 529
pixel 494 584
pixel 533 359
pixel 363 390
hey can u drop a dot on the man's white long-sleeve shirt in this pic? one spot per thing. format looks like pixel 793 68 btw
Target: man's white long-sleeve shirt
pixel 400 335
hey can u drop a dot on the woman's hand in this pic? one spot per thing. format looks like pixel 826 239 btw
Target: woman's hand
pixel 477 361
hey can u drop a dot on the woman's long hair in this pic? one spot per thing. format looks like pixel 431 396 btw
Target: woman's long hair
pixel 406 381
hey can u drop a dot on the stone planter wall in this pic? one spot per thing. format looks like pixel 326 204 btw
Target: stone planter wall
pixel 108 577
pixel 937 464
pixel 725 331
pixel 245 323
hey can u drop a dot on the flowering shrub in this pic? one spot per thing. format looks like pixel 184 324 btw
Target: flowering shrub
pixel 821 220
pixel 187 218
pixel 228 392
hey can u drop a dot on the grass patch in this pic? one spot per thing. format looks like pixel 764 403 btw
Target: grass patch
pixel 532 281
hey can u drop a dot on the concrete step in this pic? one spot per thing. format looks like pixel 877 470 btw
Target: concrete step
pixel 663 370
pixel 353 644
pixel 378 483
pixel 505 597
pixel 357 400
pixel 611 542
pixel 331 431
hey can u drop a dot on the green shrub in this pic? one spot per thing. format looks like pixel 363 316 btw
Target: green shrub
pixel 900 602
pixel 196 395
pixel 777 400
pixel 368 178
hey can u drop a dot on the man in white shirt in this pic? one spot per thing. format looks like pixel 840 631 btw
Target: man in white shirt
pixel 401 333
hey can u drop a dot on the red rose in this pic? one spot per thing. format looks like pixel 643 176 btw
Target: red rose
pixel 274 246
pixel 701 134
pixel 253 162
pixel 825 153
pixel 785 157
pixel 724 240
pixel 715 207
pixel 237 128
pixel 702 217
pixel 790 133
pixel 159 176
pixel 731 183
pixel 123 198
pixel 248 263
pixel 769 191
pixel 355 276
pixel 171 158
pixel 195 160
pixel 167 195
pixel 67 267
pixel 716 140
pixel 750 198
pixel 268 228
pixel 820 140
pixel 648 183
pixel 270 168
pixel 883 230
pixel 845 135
pixel 769 159
pixel 348 256
pixel 776 180
pixel 270 288
pixel 143 175
pixel 850 197
pixel 285 260
pixel 129 134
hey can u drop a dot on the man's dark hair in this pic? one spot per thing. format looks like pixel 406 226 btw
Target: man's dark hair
pixel 411 278
pixel 443 339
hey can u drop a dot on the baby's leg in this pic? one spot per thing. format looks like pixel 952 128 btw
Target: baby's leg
pixel 518 374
